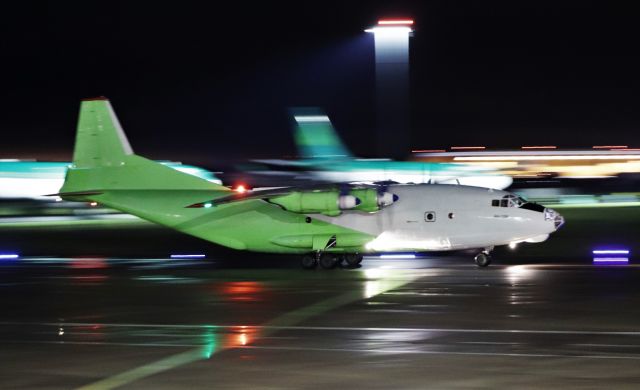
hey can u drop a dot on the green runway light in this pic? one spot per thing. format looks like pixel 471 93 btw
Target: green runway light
pixel 210 342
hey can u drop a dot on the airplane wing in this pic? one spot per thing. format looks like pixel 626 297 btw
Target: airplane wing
pixel 282 191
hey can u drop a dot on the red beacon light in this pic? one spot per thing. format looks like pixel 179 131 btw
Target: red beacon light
pixel 395 22
pixel 240 188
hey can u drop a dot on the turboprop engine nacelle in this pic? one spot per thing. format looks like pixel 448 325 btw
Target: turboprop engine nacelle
pixel 323 202
pixel 372 200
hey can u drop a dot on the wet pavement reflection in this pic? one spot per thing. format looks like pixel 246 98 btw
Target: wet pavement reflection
pixel 439 322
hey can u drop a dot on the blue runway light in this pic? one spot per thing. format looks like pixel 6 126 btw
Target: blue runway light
pixel 610 251
pixel 611 260
pixel 611 256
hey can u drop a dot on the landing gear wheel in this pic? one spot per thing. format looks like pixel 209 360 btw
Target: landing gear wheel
pixel 328 261
pixel 309 262
pixel 352 260
pixel 482 259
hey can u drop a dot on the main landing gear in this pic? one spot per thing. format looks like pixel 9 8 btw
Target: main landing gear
pixel 483 259
pixel 330 260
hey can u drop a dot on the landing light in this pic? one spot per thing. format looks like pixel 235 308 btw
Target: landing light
pixel 241 189
pixel 398 256
pixel 513 245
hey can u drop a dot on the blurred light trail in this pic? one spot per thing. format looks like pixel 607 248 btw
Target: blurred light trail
pixel 514 157
pixel 6 256
pixel 398 256
pixel 188 256
pixel 610 147
pixel 539 147
pixel 468 148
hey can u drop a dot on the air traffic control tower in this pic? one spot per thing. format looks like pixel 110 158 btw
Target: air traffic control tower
pixel 392 86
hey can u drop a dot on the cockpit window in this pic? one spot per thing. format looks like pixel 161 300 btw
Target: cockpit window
pixel 508 200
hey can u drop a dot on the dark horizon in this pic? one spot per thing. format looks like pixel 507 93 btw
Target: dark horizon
pixel 200 83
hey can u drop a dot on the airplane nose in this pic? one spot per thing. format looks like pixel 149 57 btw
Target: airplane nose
pixel 551 214
pixel 558 221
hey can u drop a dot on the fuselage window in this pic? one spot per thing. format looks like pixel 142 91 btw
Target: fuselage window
pixel 430 216
pixel 495 203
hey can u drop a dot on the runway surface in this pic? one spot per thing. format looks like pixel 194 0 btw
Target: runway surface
pixel 424 323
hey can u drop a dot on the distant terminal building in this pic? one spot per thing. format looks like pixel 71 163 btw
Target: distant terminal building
pixel 601 161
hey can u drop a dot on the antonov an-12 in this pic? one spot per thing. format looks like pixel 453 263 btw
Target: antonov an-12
pixel 325 225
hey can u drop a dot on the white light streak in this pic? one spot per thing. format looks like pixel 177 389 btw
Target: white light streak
pixel 399 256
pixel 197 256
pixel 548 157
pixel 389 30
pixel 311 118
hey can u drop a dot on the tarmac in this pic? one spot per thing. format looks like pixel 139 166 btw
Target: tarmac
pixel 100 322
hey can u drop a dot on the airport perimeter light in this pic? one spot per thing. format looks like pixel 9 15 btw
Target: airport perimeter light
pixel 392 85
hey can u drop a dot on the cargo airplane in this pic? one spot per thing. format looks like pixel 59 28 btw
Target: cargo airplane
pixel 325 225
pixel 324 157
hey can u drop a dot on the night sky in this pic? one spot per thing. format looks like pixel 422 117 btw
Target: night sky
pixel 202 83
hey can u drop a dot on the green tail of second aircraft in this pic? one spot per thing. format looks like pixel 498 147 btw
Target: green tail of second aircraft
pixel 315 136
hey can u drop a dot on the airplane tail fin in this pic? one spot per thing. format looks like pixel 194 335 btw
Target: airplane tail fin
pixel 314 135
pixel 103 159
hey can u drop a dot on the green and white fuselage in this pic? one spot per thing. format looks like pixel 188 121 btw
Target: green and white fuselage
pixel 353 220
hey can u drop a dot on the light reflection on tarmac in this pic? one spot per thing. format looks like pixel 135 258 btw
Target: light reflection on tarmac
pixel 439 322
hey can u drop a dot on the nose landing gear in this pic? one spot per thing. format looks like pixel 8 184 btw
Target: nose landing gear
pixel 483 259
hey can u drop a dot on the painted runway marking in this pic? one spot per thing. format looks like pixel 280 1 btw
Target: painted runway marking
pixel 414 352
pixel 276 326
pixel 284 321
